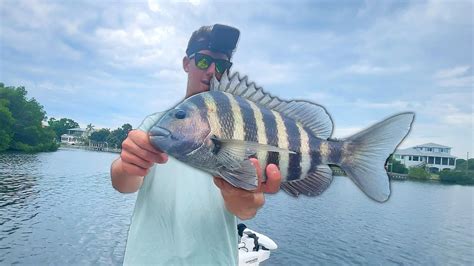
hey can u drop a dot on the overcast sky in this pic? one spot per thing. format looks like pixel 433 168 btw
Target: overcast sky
pixel 110 63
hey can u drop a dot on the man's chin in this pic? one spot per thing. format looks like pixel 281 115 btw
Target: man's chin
pixel 204 87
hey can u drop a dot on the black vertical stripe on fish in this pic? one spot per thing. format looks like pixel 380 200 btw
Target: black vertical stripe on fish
pixel 294 140
pixel 238 120
pixel 225 115
pixel 200 104
pixel 314 144
pixel 248 116
pixel 271 132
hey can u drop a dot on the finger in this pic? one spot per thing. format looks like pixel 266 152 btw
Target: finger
pixel 162 158
pixel 133 159
pixel 272 184
pixel 131 147
pixel 134 170
pixel 141 139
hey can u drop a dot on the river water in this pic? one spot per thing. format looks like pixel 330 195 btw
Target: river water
pixel 59 208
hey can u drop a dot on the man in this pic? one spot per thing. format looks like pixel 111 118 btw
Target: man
pixel 182 215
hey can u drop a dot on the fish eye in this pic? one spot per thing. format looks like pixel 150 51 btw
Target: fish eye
pixel 180 114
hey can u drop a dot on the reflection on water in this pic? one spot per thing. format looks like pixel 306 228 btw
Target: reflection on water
pixel 60 208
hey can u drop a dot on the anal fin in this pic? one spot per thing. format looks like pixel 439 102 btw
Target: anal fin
pixel 315 183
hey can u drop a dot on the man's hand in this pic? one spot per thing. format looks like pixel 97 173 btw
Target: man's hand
pixel 136 159
pixel 244 204
pixel 138 155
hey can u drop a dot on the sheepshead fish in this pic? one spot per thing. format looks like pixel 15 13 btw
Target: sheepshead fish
pixel 219 130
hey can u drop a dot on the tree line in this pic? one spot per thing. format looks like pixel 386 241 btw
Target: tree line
pixel 113 138
pixel 22 128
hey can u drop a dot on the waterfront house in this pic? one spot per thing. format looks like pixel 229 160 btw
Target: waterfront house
pixel 75 136
pixel 434 157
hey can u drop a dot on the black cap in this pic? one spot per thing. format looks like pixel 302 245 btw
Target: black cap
pixel 217 38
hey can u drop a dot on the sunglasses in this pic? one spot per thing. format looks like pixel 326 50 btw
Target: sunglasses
pixel 203 61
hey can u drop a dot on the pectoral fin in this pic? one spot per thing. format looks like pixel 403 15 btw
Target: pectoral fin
pixel 233 160
pixel 244 176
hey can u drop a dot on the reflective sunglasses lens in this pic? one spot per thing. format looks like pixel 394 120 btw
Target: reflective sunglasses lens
pixel 222 65
pixel 202 62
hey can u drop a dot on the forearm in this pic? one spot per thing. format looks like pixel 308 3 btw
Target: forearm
pixel 122 181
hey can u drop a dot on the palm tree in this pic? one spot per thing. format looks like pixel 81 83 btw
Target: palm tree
pixel 89 129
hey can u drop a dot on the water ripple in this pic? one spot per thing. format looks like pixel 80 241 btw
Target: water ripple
pixel 59 208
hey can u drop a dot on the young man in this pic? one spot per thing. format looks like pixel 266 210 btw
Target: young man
pixel 183 215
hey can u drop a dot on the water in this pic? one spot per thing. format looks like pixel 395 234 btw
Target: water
pixel 59 208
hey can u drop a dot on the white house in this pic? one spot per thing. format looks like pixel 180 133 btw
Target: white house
pixel 434 156
pixel 74 136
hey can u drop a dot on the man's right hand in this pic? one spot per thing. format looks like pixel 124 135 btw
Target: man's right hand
pixel 136 159
pixel 138 155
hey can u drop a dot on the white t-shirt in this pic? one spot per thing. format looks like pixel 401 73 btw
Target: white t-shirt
pixel 180 218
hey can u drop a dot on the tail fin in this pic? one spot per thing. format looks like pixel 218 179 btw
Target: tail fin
pixel 368 151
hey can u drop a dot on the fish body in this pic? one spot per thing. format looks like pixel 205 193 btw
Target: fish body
pixel 218 131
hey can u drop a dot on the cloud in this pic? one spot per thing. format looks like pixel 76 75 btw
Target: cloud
pixel 368 69
pixel 452 72
pixel 172 75
pixel 140 47
pixel 266 73
pixel 396 105
pixel 345 132
pixel 457 118
pixel 458 76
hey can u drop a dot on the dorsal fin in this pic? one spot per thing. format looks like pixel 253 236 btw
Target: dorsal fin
pixel 310 115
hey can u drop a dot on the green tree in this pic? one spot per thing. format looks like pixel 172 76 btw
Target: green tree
pixel 396 166
pixel 127 128
pixel 461 164
pixel 459 177
pixel 21 122
pixel 100 135
pixel 6 122
pixel 418 173
pixel 61 126
pixel 118 135
pixel 89 129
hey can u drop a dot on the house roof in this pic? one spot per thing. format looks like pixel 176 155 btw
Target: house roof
pixel 415 152
pixel 432 145
pixel 78 129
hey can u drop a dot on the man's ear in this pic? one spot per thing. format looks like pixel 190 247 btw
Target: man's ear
pixel 186 62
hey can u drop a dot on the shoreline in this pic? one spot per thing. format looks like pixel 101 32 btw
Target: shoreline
pixel 90 148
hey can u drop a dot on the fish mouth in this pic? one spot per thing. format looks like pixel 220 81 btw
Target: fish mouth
pixel 159 132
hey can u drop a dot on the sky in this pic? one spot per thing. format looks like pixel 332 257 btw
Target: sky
pixel 114 62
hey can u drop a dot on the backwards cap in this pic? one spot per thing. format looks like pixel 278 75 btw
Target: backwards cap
pixel 216 38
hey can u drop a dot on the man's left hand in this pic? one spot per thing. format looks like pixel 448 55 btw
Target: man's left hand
pixel 244 204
